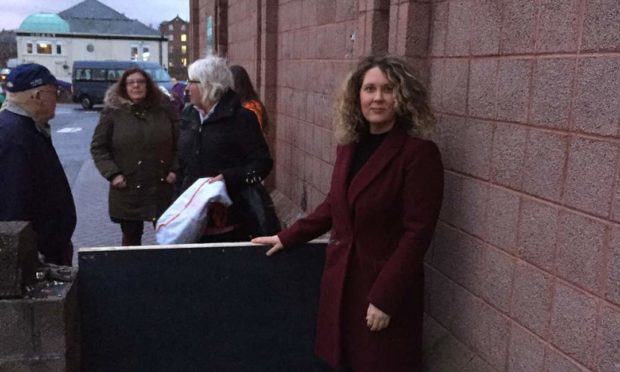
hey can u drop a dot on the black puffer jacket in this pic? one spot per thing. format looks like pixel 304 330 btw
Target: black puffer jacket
pixel 228 142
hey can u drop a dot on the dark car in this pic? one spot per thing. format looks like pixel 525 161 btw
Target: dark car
pixel 91 79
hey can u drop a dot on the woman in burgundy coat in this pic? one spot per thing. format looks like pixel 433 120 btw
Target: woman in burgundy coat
pixel 382 207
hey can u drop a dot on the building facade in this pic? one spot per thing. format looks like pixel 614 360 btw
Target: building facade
pixel 523 273
pixel 89 30
pixel 8 47
pixel 177 33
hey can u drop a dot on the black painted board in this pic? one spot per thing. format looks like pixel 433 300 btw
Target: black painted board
pixel 199 309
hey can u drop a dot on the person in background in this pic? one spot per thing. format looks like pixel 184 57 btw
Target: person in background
pixel 249 98
pixel 34 186
pixel 222 140
pixel 371 304
pixel 177 95
pixel 135 148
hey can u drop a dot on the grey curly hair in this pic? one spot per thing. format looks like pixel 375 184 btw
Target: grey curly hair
pixel 214 76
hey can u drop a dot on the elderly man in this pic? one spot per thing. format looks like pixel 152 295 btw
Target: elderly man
pixel 33 184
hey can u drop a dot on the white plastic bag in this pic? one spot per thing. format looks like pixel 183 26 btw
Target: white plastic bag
pixel 185 219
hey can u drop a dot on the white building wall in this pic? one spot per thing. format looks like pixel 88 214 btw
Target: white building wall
pixel 74 49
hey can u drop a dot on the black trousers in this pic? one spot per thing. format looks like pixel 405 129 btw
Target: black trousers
pixel 132 231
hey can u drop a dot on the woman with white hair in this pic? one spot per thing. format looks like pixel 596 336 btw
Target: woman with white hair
pixel 222 140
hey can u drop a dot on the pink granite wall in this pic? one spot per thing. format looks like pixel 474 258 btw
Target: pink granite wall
pixel 314 53
pixel 524 269
pixel 524 273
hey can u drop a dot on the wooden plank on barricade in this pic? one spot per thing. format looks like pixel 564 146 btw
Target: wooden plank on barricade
pixel 202 307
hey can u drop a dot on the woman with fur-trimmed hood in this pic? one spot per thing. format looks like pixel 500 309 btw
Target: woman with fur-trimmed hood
pixel 135 148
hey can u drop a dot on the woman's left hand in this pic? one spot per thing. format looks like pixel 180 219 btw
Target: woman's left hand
pixel 171 178
pixel 376 319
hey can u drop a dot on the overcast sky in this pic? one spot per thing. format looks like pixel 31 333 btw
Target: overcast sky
pixel 150 12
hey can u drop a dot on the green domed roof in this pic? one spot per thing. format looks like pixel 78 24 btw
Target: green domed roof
pixel 44 22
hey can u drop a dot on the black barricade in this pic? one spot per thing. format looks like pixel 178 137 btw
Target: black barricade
pixel 214 308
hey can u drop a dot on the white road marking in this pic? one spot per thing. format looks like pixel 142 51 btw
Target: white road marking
pixel 69 130
pixel 63 111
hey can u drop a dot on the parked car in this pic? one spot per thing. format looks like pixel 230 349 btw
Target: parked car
pixel 91 79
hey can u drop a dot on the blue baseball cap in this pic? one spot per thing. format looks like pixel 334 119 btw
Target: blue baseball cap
pixel 29 76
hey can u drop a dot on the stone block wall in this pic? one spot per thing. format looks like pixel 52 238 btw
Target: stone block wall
pixel 39 330
pixel 40 334
pixel 315 50
pixel 523 272
pixel 528 96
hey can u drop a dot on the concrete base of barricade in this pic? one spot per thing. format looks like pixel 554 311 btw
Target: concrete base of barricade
pixel 41 332
pixel 39 329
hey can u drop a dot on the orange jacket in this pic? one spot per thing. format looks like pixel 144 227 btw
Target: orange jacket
pixel 257 108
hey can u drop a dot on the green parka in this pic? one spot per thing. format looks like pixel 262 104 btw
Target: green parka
pixel 140 143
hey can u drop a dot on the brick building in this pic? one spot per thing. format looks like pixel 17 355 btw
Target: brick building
pixel 524 271
pixel 177 33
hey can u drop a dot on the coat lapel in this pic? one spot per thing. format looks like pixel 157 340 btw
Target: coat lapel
pixel 339 184
pixel 378 161
pixel 341 171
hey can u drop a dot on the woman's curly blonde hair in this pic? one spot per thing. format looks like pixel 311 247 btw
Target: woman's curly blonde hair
pixel 413 111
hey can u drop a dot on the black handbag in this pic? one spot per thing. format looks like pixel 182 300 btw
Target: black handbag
pixel 260 218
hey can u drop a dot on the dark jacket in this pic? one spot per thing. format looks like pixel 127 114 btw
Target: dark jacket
pixel 177 97
pixel 228 142
pixel 381 226
pixel 141 144
pixel 34 186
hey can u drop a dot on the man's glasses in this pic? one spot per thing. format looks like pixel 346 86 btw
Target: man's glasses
pixel 135 82
pixel 193 82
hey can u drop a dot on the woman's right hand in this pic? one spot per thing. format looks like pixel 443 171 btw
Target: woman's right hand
pixel 269 240
pixel 118 182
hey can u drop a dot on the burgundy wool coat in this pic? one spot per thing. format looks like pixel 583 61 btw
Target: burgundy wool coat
pixel 381 226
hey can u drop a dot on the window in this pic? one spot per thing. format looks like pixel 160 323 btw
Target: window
pixel 170 37
pixel 58 48
pixel 210 36
pixel 114 75
pixel 170 48
pixel 44 47
pixel 158 74
pixel 82 74
pixel 134 52
pixel 183 27
pixel 99 74
pixel 184 49
pixel 146 53
pixel 184 61
pixel 183 37
pixel 170 64
pixel 171 27
pixel 29 47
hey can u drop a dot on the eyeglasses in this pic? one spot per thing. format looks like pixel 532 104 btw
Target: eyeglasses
pixel 135 82
pixel 193 82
